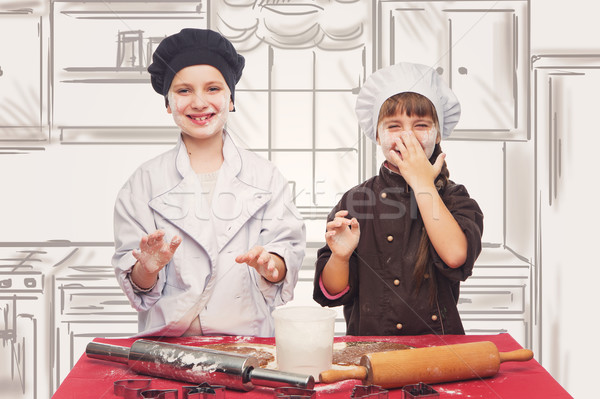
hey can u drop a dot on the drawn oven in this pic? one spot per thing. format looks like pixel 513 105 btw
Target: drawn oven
pixel 21 304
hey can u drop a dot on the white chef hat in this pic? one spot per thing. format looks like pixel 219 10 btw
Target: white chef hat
pixel 400 78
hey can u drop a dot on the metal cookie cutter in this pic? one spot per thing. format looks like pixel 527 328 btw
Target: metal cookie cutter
pixel 203 391
pixel 419 390
pixel 369 391
pixel 131 389
pixel 160 393
pixel 294 393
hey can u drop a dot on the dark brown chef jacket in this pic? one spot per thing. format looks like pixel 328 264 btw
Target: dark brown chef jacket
pixel 382 299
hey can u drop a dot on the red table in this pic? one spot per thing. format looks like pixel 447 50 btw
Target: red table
pixel 93 379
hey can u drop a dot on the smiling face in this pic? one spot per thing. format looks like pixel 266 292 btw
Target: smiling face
pixel 407 112
pixel 200 101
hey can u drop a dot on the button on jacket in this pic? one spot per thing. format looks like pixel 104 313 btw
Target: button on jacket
pixel 381 297
pixel 251 205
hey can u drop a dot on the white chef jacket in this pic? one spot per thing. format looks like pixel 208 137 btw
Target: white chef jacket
pixel 251 205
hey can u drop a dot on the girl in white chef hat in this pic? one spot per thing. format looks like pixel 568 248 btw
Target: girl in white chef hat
pixel 398 245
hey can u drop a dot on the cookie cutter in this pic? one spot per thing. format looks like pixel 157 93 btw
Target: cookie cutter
pixel 420 390
pixel 203 391
pixel 294 393
pixel 160 393
pixel 138 388
pixel 369 391
pixel 131 388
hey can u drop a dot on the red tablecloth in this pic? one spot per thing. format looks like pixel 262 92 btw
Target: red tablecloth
pixel 93 379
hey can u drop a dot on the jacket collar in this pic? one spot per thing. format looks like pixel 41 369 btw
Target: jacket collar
pixel 393 179
pixel 234 200
pixel 231 155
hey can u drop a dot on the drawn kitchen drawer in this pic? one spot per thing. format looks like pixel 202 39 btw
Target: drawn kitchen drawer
pixel 492 299
pixel 517 328
pixel 77 300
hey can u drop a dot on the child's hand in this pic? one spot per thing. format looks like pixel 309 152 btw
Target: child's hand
pixel 154 252
pixel 264 262
pixel 342 235
pixel 413 163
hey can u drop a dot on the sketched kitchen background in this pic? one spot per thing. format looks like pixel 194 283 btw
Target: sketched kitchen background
pixel 78 115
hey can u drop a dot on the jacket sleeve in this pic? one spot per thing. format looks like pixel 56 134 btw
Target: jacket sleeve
pixel 469 217
pixel 282 232
pixel 323 255
pixel 132 220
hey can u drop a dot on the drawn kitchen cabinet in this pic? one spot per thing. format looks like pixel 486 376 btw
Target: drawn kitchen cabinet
pixel 88 303
pixel 496 298
pixel 21 105
pixel 101 50
pixel 479 47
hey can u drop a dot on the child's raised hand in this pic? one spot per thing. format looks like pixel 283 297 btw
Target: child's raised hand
pixel 262 260
pixel 342 235
pixel 413 163
pixel 155 252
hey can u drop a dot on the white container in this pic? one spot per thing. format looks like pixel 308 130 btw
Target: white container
pixel 304 339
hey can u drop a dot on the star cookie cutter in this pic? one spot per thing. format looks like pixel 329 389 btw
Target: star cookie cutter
pixel 203 391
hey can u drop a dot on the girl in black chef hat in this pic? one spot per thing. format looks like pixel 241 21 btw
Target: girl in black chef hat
pixel 207 229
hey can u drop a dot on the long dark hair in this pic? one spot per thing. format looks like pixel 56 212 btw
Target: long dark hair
pixel 413 103
pixel 422 264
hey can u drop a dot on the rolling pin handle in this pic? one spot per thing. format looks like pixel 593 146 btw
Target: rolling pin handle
pixel 334 375
pixel 113 353
pixel 520 355
pixel 276 378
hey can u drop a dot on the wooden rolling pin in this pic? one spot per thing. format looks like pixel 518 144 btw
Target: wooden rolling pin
pixel 431 365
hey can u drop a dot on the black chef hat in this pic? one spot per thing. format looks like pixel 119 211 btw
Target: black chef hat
pixel 194 47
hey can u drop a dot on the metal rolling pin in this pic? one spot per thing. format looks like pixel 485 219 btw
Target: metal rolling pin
pixel 197 365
